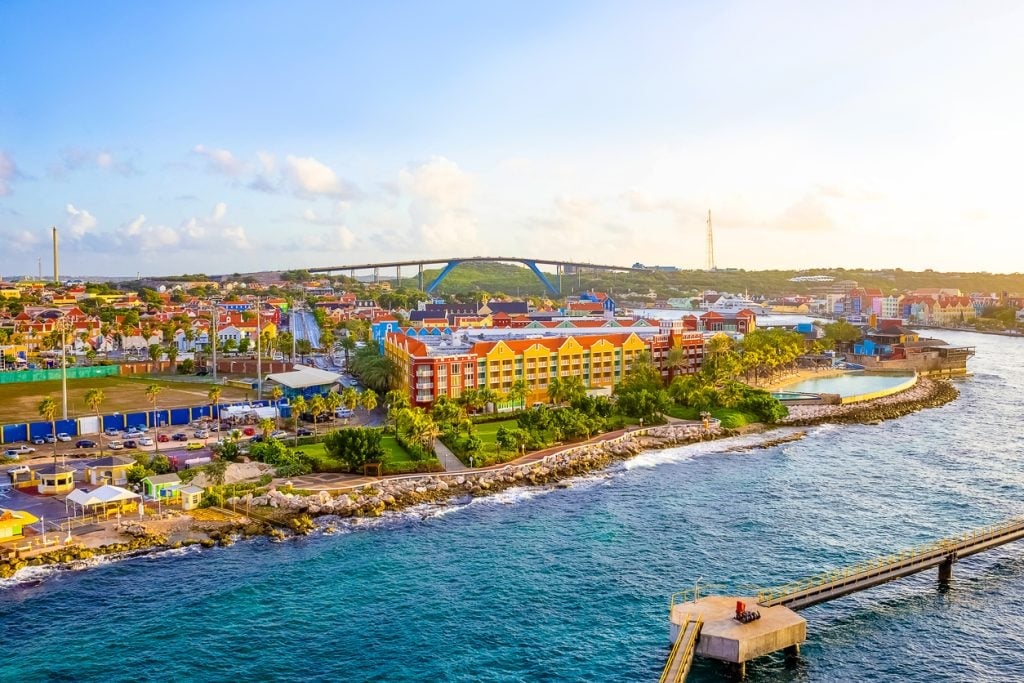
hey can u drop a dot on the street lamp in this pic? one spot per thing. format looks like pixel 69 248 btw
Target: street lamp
pixel 259 351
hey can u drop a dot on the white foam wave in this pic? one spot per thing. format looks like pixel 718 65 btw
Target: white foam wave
pixel 649 459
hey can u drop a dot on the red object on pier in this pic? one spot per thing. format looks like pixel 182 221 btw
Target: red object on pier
pixel 740 607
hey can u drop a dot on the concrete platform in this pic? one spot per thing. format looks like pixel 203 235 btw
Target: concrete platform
pixel 726 639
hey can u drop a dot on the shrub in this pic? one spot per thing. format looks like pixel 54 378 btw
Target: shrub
pixel 355 446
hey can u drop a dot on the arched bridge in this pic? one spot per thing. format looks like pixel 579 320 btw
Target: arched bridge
pixel 449 264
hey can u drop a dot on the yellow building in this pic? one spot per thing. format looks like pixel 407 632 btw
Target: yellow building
pixel 430 370
pixel 9 292
pixel 13 523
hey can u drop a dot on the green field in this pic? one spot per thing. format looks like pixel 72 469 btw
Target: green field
pixel 394 455
pixel 18 402
pixel 488 432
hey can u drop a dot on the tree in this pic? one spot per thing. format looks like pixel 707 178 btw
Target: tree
pixel 48 411
pixel 317 407
pixel 517 392
pixel 332 401
pixel 348 344
pixel 216 471
pixel 355 446
pixel 276 393
pixel 155 352
pixel 266 426
pixel 298 406
pixel 368 399
pixel 152 392
pixel 350 398
pixel 172 354
pixel 94 398
pixel 214 397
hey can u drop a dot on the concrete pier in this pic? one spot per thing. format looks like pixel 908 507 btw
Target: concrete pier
pixel 725 639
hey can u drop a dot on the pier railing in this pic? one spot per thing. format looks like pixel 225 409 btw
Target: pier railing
pixel 837 582
pixel 681 656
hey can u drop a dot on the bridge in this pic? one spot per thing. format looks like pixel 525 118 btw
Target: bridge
pixel 449 264
pixel 720 636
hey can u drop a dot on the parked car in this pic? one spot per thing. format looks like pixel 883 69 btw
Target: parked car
pixel 344 412
pixel 194 446
pixel 11 454
pixel 215 427
pixel 202 371
pixel 249 431
pixel 63 436
pixel 39 440
pixel 256 438
pixel 145 441
pixel 85 443
pixel 115 445
pixel 278 434
pixel 130 443
pixel 163 438
pixel 21 450
pixel 304 431
pixel 180 436
pixel 202 434
pixel 110 431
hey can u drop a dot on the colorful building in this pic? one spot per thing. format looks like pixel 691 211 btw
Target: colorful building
pixel 447 365
pixel 13 523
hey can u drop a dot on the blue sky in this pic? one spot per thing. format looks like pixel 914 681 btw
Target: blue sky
pixel 226 136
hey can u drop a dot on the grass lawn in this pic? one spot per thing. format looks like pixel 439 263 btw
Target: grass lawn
pixel 730 417
pixel 123 394
pixel 488 432
pixel 394 454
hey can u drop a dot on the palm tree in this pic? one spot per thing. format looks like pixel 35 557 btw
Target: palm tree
pixel 172 354
pixel 317 407
pixel 369 400
pixel 555 394
pixel 350 397
pixel 298 406
pixel 275 395
pixel 214 396
pixel 517 392
pixel 266 426
pixel 48 411
pixel 152 392
pixel 93 399
pixel 348 344
pixel 332 402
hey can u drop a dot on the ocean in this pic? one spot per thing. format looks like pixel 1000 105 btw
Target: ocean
pixel 572 584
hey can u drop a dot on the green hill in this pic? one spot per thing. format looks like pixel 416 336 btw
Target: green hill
pixel 491 278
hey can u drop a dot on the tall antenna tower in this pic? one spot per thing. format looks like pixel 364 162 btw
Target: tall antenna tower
pixel 711 245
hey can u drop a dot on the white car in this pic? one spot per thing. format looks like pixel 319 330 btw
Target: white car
pixel 115 445
pixel 202 434
pixel 21 450
pixel 63 436
pixel 278 434
pixel 145 441
pixel 110 431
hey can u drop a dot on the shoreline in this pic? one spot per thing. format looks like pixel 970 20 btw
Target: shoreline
pixel 276 509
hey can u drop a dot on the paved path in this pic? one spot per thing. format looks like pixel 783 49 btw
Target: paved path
pixel 448 460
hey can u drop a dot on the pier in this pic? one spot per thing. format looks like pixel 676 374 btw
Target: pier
pixel 719 635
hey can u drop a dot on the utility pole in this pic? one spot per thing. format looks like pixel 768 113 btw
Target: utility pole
pixel 214 315
pixel 259 350
pixel 710 245
pixel 62 323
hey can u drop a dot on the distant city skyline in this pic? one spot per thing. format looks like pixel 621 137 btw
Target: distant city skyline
pixel 217 137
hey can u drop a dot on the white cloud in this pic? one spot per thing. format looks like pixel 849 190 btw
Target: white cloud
pixel 21 241
pixel 312 177
pixel 8 173
pixel 198 233
pixel 219 160
pixel 77 158
pixel 79 221
pixel 440 194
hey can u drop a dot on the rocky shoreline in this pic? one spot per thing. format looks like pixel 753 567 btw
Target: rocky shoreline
pixel 279 510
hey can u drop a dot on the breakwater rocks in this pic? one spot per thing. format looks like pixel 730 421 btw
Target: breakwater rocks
pixel 71 554
pixel 375 499
pixel 927 393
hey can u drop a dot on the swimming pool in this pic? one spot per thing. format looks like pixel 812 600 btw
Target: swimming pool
pixel 850 384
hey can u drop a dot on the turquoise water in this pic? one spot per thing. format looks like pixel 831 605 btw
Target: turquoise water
pixel 850 384
pixel 573 584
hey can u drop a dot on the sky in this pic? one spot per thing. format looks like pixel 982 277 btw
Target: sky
pixel 217 137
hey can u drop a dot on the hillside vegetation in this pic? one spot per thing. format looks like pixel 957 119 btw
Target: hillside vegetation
pixel 491 278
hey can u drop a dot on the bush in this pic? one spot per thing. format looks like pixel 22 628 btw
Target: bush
pixel 355 446
pixel 293 464
pixel 417 451
pixel 186 367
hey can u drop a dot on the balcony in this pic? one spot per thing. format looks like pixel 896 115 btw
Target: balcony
pixel 424 385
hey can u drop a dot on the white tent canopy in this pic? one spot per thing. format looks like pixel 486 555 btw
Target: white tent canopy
pixel 304 376
pixel 104 495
